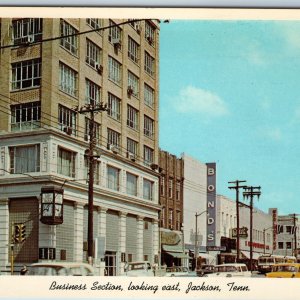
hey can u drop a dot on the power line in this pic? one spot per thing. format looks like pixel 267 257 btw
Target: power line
pixel 71 35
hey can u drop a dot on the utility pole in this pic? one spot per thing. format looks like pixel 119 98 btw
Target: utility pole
pixel 250 192
pixel 196 240
pixel 91 109
pixel 236 188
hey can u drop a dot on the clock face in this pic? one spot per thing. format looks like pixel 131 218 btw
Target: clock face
pixel 47 204
pixel 58 210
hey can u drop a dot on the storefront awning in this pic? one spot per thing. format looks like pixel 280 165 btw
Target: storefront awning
pixel 255 255
pixel 178 255
pixel 173 248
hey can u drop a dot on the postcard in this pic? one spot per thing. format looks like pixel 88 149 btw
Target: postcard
pixel 149 152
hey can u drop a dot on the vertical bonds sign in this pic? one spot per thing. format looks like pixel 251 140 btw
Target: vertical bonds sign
pixel 274 223
pixel 211 204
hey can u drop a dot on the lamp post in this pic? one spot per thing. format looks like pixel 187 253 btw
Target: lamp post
pixel 196 236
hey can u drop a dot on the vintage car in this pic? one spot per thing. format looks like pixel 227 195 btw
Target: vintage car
pixel 205 269
pixel 177 271
pixel 230 270
pixel 60 269
pixel 285 270
pixel 139 268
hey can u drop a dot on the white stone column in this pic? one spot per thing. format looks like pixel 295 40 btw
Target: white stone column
pixel 102 232
pixel 155 239
pixel 78 231
pixel 4 233
pixel 122 239
pixel 140 238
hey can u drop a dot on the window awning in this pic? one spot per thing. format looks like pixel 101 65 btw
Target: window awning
pixel 255 255
pixel 173 248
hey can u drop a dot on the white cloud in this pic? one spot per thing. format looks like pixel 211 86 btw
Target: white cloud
pixel 254 54
pixel 290 33
pixel 196 100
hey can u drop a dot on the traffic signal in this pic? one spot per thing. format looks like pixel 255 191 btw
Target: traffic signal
pixel 22 233
pixel 19 233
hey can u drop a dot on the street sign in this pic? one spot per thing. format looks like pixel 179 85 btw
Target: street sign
pixel 243 232
pixel 215 248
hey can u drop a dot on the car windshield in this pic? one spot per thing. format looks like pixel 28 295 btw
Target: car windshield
pixel 226 269
pixel 284 269
pixel 48 270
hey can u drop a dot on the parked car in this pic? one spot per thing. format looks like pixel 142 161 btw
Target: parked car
pixel 205 269
pixel 286 270
pixel 177 271
pixel 230 270
pixel 139 268
pixel 61 269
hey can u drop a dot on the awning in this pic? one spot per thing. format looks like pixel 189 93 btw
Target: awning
pixel 178 255
pixel 255 255
pixel 173 248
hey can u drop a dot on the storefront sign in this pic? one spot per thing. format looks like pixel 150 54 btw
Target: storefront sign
pixel 211 204
pixel 170 238
pixel 243 232
pixel 274 224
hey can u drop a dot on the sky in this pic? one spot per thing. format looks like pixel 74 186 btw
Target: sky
pixel 230 94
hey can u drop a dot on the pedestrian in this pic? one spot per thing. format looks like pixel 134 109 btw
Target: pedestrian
pixel 24 270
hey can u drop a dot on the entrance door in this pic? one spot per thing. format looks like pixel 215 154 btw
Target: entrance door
pixel 110 263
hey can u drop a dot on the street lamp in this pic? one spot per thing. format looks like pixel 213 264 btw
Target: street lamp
pixel 196 236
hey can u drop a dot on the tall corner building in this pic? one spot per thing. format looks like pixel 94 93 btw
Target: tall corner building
pixel 52 72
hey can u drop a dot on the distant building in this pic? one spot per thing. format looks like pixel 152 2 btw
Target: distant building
pixel 43 135
pixel 171 171
pixel 288 232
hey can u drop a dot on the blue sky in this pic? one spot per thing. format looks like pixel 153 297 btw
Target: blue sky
pixel 230 94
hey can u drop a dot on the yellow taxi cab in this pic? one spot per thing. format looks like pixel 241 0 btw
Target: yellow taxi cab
pixel 285 270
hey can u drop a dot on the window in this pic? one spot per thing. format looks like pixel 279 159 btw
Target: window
pixel 113 137
pixel 132 146
pixel 66 162
pixel 96 170
pixel 288 245
pixel 149 64
pixel 178 220
pixel 170 218
pixel 27 30
pixel 26 74
pixel 87 130
pixel 129 257
pixel 148 95
pixel 162 185
pixel 148 156
pixel 289 229
pixel 25 116
pixel 132 117
pixel 147 189
pixel 94 23
pixel 113 179
pixel 24 159
pixel 279 228
pixel 133 84
pixel 133 50
pixel 114 70
pixel 148 127
pixel 114 32
pixel 162 217
pixel 92 93
pixel 135 24
pixel 131 184
pixel 66 120
pixel 280 245
pixel 70 43
pixel 171 188
pixel 150 33
pixel 67 80
pixel 178 191
pixel 114 107
pixel 93 53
